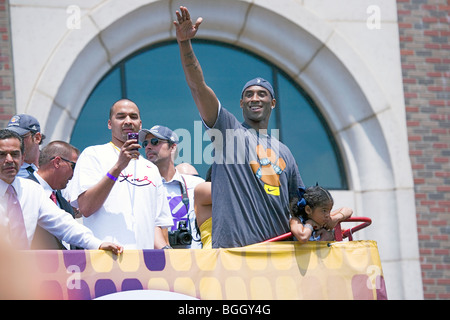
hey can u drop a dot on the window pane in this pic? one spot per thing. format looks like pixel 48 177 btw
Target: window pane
pixel 155 82
pixel 92 125
pixel 304 133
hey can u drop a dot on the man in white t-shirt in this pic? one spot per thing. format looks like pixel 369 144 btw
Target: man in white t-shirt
pixel 119 193
pixel 160 145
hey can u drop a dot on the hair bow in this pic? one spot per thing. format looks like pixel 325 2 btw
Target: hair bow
pixel 301 201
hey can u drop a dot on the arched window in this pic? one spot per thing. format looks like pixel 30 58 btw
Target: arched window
pixel 153 78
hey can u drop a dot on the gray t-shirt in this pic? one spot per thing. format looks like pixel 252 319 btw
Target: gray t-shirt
pixel 254 176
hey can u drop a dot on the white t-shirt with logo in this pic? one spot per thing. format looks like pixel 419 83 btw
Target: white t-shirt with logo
pixel 136 204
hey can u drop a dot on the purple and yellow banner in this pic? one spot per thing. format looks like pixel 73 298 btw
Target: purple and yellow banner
pixel 283 270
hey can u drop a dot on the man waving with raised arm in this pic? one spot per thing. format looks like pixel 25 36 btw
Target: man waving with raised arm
pixel 253 181
pixel 204 96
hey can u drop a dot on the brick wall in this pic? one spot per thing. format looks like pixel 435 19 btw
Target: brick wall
pixel 425 56
pixel 7 101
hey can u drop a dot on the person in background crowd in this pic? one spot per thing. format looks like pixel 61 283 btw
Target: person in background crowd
pixel 187 168
pixel 30 130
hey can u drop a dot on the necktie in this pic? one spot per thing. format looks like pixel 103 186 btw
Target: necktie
pixel 17 232
pixel 53 197
pixel 30 169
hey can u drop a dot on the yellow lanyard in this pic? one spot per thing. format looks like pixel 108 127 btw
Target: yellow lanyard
pixel 115 147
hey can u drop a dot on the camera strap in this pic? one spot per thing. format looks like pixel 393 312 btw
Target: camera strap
pixel 185 199
pixel 184 195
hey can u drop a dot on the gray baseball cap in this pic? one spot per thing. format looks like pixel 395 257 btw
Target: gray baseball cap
pixel 160 132
pixel 23 123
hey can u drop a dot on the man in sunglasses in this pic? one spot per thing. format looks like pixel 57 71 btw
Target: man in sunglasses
pixel 56 165
pixel 160 145
pixel 29 129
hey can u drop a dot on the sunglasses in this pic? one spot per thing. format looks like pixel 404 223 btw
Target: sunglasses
pixel 72 164
pixel 153 142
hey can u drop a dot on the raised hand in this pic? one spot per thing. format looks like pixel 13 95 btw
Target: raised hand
pixel 185 30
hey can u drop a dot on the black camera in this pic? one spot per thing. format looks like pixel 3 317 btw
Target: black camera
pixel 180 237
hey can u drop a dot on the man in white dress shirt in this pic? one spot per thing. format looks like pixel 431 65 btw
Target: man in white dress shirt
pixel 33 207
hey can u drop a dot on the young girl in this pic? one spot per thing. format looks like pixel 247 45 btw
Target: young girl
pixel 312 218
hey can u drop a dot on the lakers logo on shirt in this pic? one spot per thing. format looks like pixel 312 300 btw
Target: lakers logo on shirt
pixel 268 168
pixel 178 209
